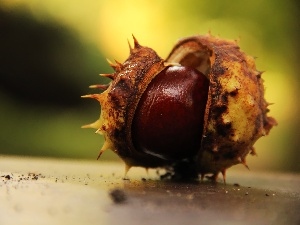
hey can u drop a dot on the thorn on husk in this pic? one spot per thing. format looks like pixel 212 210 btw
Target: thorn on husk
pixel 100 86
pixel 108 75
pixel 136 43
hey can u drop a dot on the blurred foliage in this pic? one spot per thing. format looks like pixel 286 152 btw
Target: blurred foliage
pixel 45 68
pixel 52 50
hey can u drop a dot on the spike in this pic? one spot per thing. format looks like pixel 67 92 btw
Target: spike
pixel 109 62
pixel 95 125
pixel 224 175
pixel 100 153
pixel 98 97
pixel 259 73
pixel 117 67
pixel 270 122
pixel 243 161
pixel 246 166
pixel 136 43
pixel 105 147
pixel 127 168
pixel 87 96
pixel 108 75
pixel 130 47
pixel 100 86
pixel 118 63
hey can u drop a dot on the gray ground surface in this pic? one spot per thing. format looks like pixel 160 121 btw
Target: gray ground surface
pixel 51 191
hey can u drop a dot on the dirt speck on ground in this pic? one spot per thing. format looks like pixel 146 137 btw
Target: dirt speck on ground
pixel 118 196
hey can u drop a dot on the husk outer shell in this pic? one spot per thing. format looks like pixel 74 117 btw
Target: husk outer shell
pixel 119 101
pixel 236 111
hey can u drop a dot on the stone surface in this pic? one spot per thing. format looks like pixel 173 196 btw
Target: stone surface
pixel 55 191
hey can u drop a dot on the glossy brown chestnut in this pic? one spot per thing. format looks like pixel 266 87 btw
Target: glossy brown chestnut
pixel 168 120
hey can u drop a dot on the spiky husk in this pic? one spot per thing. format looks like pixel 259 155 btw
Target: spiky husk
pixel 236 111
pixel 119 101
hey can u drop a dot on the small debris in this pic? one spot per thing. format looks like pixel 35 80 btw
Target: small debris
pixel 246 193
pixel 267 194
pixel 118 196
pixel 7 177
pixel 35 177
pixel 144 179
pixel 236 185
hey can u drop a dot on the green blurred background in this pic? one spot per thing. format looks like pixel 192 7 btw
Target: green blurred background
pixel 52 50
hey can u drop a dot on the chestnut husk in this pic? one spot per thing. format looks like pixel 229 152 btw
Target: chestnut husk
pixel 235 114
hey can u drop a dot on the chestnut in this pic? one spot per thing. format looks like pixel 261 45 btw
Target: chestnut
pixel 168 120
pixel 198 112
